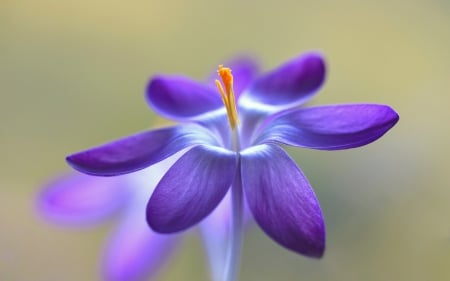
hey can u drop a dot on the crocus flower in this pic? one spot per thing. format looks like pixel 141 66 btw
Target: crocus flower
pixel 133 252
pixel 233 136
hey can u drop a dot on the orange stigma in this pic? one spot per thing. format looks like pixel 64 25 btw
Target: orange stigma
pixel 227 93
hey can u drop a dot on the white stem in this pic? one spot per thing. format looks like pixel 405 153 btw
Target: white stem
pixel 237 230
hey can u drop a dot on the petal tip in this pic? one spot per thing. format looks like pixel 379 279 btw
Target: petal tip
pixel 395 117
pixel 292 83
pixel 159 226
pixel 318 248
pixel 312 243
pixel 315 54
pixel 158 221
pixel 155 91
pixel 180 98
pixel 314 66
pixel 75 162
pixel 80 163
pixel 155 84
pixel 388 117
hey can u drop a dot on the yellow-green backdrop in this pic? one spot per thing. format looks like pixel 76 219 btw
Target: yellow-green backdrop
pixel 72 75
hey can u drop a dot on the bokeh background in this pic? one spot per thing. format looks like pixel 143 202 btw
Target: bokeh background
pixel 72 75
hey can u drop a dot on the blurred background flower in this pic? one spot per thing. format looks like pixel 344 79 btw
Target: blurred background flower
pixel 70 68
pixel 132 251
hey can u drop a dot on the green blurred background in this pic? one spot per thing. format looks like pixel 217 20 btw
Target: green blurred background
pixel 72 75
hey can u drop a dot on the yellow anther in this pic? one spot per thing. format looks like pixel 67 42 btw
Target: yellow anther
pixel 227 93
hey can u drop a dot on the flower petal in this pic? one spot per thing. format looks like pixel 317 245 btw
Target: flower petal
pixel 330 127
pixel 282 200
pixel 138 151
pixel 289 85
pixel 81 199
pixel 179 98
pixel 191 188
pixel 135 252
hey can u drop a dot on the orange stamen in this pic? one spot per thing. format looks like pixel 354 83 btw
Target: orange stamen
pixel 227 93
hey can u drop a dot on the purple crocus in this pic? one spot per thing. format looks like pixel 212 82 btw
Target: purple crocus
pixel 232 137
pixel 133 252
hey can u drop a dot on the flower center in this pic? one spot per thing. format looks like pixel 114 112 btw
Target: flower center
pixel 227 94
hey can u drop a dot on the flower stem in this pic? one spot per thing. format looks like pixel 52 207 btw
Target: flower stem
pixel 237 204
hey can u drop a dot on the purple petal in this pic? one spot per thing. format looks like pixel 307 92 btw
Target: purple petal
pixel 191 188
pixel 244 70
pixel 290 84
pixel 135 252
pixel 81 199
pixel 330 127
pixel 282 200
pixel 137 151
pixel 179 98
